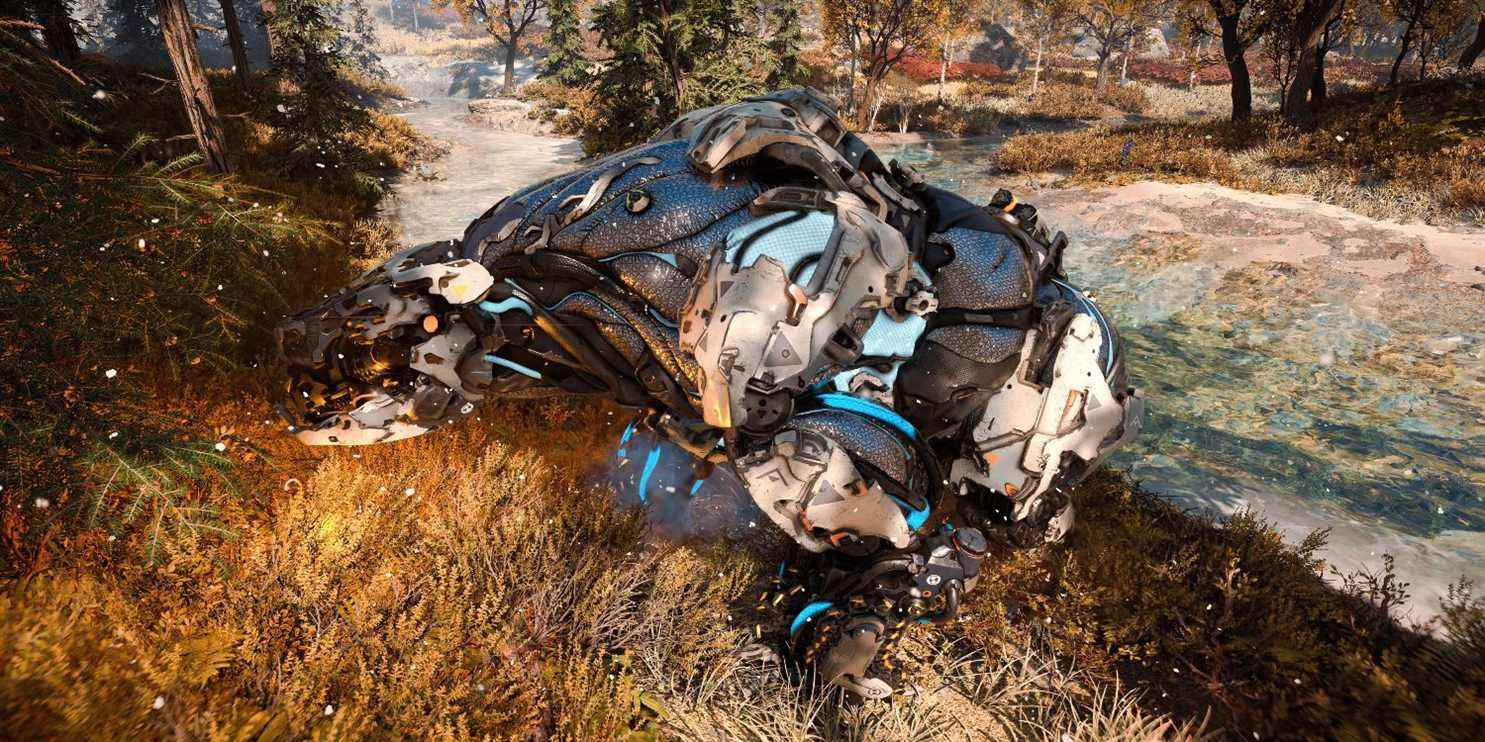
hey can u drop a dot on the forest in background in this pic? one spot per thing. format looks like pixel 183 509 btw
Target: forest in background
pixel 173 565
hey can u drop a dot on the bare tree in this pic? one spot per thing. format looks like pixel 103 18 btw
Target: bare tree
pixel 1418 18
pixel 1112 24
pixel 506 20
pixel 951 28
pixel 201 110
pixel 1048 21
pixel 880 33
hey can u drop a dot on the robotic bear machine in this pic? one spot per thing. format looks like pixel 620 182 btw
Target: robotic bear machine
pixel 897 376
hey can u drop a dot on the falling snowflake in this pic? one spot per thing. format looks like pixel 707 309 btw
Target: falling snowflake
pixel 159 702
pixel 109 374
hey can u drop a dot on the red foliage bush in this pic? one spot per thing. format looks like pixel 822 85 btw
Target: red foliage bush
pixel 923 69
pixel 1177 72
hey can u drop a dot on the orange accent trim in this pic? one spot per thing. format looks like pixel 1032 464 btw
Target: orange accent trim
pixel 1007 208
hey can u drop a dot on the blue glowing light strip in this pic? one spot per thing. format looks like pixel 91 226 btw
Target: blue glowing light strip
pixel 870 409
pixel 644 477
pixel 505 305
pixel 624 441
pixel 836 400
pixel 915 518
pixel 512 365
pixel 807 613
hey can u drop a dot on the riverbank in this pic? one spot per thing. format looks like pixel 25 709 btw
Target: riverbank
pixel 1413 153
pixel 1331 318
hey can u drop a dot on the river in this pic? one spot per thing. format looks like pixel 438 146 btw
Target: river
pixel 1322 368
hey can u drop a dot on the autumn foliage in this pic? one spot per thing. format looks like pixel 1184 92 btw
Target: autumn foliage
pixel 923 69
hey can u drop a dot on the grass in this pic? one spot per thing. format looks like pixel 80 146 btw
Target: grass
pixel 1417 152
pixel 453 42
pixel 132 275
pixel 200 574
pixel 499 593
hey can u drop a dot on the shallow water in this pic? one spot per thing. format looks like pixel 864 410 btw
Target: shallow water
pixel 1307 392
pixel 482 166
pixel 1281 376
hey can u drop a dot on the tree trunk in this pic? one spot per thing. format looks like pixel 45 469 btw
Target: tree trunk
pixel 851 84
pixel 872 100
pixel 510 69
pixel 1036 75
pixel 1195 65
pixel 1237 68
pixel 1310 27
pixel 57 30
pixel 415 15
pixel 180 42
pixel 1472 52
pixel 269 8
pixel 1402 53
pixel 1103 63
pixel 1297 98
pixel 1317 80
pixel 943 68
pixel 234 37
pixel 1124 69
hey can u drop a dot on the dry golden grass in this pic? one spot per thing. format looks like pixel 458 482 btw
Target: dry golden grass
pixel 464 584
pixel 1413 153
pixel 452 42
